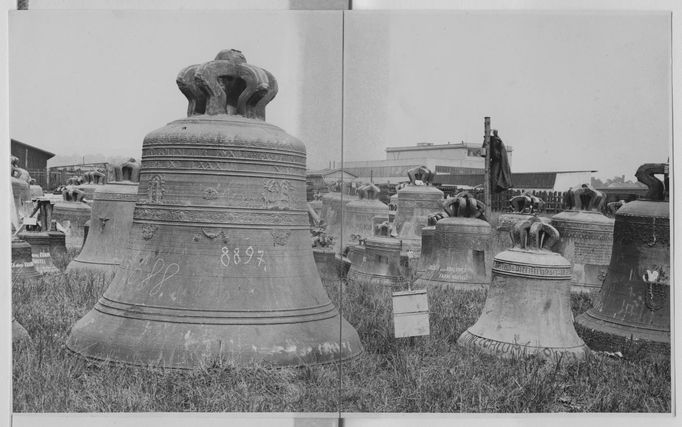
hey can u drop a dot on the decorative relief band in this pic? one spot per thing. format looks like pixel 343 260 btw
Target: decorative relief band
pixel 224 216
pixel 116 197
pixel 580 234
pixel 236 166
pixel 222 154
pixel 212 317
pixel 506 349
pixel 550 273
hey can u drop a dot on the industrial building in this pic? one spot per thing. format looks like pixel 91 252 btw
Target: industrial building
pixel 453 159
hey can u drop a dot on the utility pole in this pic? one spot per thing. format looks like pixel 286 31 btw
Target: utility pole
pixel 486 182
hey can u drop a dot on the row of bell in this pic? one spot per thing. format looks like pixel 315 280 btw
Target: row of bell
pixel 446 248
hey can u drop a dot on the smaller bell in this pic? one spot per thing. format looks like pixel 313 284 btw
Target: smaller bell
pixel 528 307
pixel 632 311
pixel 72 213
pixel 22 260
pixel 586 237
pixel 460 246
pixel 358 214
pixel 379 264
pixel 416 201
pixel 112 214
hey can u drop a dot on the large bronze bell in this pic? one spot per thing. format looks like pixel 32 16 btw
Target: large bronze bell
pixel 586 237
pixel 415 204
pixel 112 215
pixel 461 243
pixel 219 261
pixel 358 214
pixel 633 308
pixel 378 264
pixel 72 213
pixel 528 307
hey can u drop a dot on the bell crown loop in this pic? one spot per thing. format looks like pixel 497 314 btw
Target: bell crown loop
pixel 128 170
pixel 584 198
pixel 368 191
pixel 464 205
pixel 658 191
pixel 534 234
pixel 227 85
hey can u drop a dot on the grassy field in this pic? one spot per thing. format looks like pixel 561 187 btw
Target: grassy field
pixel 422 374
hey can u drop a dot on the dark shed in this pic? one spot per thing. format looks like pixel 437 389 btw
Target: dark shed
pixel 33 159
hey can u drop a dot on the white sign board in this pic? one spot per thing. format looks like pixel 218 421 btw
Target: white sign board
pixel 410 313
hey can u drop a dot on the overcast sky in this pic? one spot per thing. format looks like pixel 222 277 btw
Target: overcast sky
pixel 568 91
pixel 97 82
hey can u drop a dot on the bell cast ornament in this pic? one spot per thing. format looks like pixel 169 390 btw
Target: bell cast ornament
pixel 528 308
pixel 219 263
pixel 633 309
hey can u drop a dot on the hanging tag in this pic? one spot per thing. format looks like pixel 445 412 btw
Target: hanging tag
pixel 30 221
pixel 410 313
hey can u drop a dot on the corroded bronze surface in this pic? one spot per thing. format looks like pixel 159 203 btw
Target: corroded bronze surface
pixel 633 308
pixel 586 238
pixel 219 261
pixel 456 253
pixel 528 308
pixel 460 246
pixel 378 264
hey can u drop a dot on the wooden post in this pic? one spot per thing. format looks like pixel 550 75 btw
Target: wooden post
pixel 486 182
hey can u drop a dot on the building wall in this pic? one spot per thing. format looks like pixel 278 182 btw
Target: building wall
pixel 336 176
pixel 398 168
pixel 452 152
pixel 566 180
pixel 34 161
